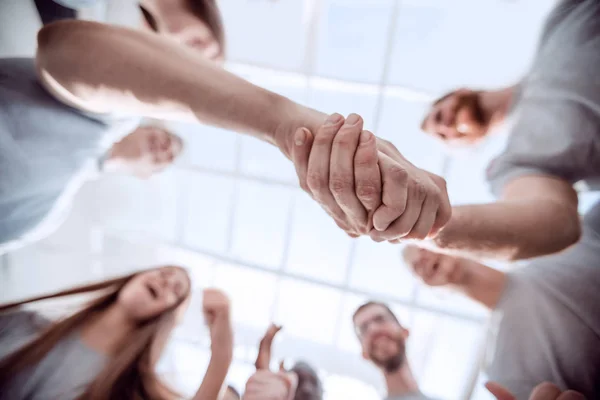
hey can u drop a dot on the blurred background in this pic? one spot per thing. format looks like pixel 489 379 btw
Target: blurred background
pixel 231 210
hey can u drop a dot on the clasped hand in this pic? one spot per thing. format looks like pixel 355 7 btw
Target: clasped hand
pixel 366 185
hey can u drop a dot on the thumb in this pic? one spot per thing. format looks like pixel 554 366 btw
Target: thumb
pixel 499 391
pixel 302 145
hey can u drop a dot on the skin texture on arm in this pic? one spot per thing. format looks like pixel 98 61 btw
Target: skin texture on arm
pixel 108 69
pixel 537 215
pixel 216 309
pixel 479 282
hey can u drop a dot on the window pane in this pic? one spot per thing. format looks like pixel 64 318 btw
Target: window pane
pixel 443 352
pixel 252 294
pixel 350 32
pixel 446 299
pixel 261 216
pixel 206 212
pixel 378 268
pixel 318 248
pixel 435 39
pixel 266 32
pixel 206 146
pixel 343 387
pixel 348 341
pixel 466 174
pixel 400 124
pixel 258 157
pixel 330 97
pixel 308 311
pixel 261 159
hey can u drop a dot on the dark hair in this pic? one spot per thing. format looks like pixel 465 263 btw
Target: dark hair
pixel 304 366
pixel 128 374
pixel 208 11
pixel 374 303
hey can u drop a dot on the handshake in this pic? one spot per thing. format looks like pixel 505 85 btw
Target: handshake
pixel 365 184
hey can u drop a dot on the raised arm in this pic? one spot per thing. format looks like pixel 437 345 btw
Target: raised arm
pixel 536 215
pixel 217 315
pixel 108 69
pixel 475 280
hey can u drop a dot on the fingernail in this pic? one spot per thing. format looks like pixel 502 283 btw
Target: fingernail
pixel 365 136
pixel 333 119
pixel 300 137
pixel 352 119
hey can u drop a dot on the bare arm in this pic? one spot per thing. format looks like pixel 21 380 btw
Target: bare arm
pixel 480 283
pixel 536 215
pixel 213 383
pixel 477 281
pixel 108 69
pixel 216 309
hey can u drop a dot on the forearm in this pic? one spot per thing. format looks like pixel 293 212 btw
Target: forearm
pixel 103 68
pixel 480 283
pixel 498 103
pixel 510 230
pixel 214 379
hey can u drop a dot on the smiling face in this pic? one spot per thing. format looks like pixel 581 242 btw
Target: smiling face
pixel 151 293
pixel 194 23
pixel 381 337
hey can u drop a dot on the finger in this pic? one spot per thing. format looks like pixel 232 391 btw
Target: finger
pixel 403 225
pixel 571 395
pixel 424 224
pixel 303 140
pixel 282 365
pixel 318 166
pixel 499 391
pixel 367 177
pixel 545 391
pixel 445 270
pixel 394 186
pixel 341 171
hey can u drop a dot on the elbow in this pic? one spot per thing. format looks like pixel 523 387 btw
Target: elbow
pixel 52 38
pixel 563 233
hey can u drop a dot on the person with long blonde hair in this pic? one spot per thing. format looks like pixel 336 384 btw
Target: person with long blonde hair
pixel 109 349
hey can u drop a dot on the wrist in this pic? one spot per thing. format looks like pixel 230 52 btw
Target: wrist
pixel 495 104
pixel 293 116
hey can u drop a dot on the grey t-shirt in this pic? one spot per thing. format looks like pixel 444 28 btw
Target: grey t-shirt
pixel 45 146
pixel 556 119
pixel 548 320
pixel 62 375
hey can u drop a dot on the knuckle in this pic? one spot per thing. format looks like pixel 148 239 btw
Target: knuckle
pixel 367 190
pixel 365 158
pixel 316 182
pixel 340 184
pixel 420 190
pixel 398 174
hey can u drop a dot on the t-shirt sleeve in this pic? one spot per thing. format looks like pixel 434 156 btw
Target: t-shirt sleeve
pixel 552 136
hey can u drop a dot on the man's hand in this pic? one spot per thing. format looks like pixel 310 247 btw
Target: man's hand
pixel 434 269
pixel 366 185
pixel 465 116
pixel 267 385
pixel 337 166
pixel 216 309
pixel 263 360
pixel 543 391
